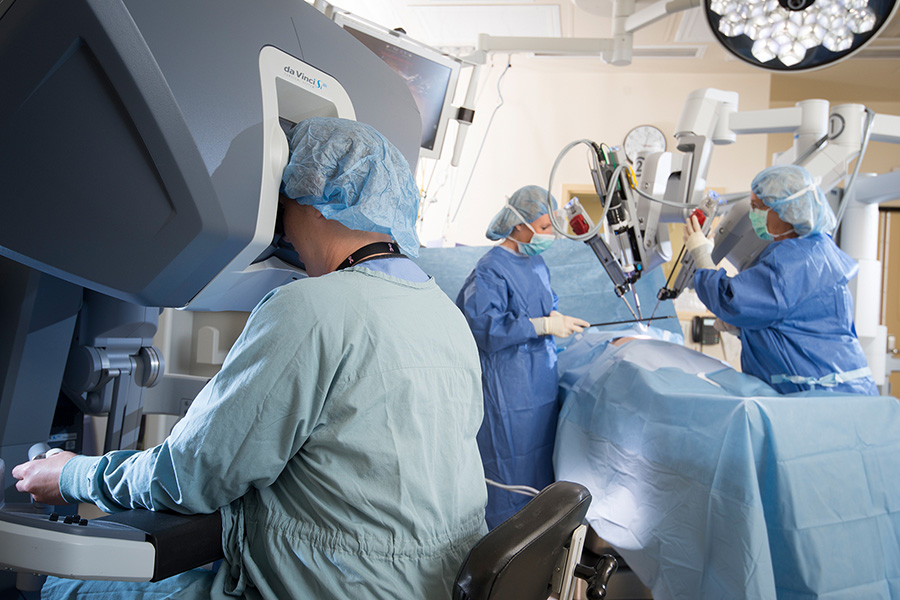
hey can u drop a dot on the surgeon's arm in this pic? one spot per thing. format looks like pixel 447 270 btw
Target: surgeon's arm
pixel 753 299
pixel 240 431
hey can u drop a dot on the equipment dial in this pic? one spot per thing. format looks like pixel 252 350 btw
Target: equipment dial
pixel 644 138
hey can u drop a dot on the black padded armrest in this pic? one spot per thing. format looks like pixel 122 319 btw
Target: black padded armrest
pixel 182 542
pixel 517 558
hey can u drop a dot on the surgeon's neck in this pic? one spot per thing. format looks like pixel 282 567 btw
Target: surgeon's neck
pixel 345 242
pixel 326 243
pixel 508 243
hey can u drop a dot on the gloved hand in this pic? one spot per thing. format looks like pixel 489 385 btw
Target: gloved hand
pixel 723 327
pixel 698 244
pixel 558 324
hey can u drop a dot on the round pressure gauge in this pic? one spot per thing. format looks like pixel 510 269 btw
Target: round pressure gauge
pixel 644 138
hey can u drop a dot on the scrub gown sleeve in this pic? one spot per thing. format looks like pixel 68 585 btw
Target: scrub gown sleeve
pixel 753 299
pixel 240 431
pixel 485 303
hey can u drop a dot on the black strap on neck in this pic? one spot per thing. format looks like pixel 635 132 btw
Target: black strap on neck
pixel 370 251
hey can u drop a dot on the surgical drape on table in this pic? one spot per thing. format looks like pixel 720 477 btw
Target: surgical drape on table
pixel 712 485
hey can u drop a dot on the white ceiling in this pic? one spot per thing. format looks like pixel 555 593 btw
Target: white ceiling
pixel 454 25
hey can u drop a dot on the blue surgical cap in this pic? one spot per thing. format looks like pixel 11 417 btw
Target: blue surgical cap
pixel 794 196
pixel 531 203
pixel 352 174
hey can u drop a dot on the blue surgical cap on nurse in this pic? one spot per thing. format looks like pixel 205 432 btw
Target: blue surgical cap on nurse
pixel 794 196
pixel 352 174
pixel 530 202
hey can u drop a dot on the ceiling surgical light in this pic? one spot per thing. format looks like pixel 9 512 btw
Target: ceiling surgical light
pixel 796 35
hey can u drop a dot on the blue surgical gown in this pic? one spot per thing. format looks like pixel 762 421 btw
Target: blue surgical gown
pixel 338 439
pixel 795 314
pixel 518 373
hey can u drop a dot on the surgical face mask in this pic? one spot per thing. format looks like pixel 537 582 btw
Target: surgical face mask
pixel 758 218
pixel 539 242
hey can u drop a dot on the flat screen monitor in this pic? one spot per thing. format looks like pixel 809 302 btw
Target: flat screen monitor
pixel 430 75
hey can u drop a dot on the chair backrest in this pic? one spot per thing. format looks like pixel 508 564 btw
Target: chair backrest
pixel 518 557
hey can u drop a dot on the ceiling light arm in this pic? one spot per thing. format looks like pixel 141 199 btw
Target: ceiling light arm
pixel 544 45
pixel 616 50
pixel 656 11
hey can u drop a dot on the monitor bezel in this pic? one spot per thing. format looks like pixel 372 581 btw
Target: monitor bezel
pixel 448 110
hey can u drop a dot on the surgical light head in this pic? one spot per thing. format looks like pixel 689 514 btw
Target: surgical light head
pixel 530 202
pixel 352 174
pixel 793 194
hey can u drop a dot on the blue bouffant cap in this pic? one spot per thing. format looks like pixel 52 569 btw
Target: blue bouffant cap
pixel 793 194
pixel 352 174
pixel 530 202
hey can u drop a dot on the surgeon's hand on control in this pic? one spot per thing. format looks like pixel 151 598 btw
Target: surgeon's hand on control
pixel 693 229
pixel 559 325
pixel 698 244
pixel 40 477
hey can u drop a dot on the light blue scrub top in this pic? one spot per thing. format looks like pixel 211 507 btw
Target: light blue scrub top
pixel 338 440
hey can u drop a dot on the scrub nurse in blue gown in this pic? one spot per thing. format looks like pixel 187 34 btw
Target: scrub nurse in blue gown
pixel 792 307
pixel 511 309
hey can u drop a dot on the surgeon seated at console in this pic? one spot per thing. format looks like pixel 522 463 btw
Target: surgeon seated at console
pixel 338 439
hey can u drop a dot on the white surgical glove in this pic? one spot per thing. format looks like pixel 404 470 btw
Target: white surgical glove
pixel 558 324
pixel 698 244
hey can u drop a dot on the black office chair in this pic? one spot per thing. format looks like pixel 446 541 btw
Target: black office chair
pixel 535 553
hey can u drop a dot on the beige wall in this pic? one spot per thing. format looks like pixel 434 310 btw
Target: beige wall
pixel 543 110
pixel 547 104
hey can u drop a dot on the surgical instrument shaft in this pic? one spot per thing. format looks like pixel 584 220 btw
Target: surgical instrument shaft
pixel 633 321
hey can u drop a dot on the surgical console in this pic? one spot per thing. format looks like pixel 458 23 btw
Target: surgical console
pixel 143 143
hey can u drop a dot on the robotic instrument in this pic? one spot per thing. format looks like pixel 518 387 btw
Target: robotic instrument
pixel 668 188
pixel 143 145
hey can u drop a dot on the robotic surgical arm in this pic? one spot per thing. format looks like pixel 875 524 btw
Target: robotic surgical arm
pixel 670 187
pixel 830 142
pixel 634 214
pixel 621 248
pixel 628 239
pixel 826 141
